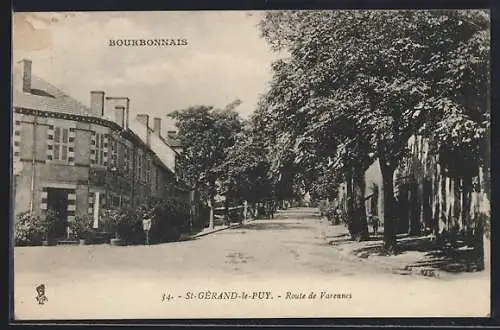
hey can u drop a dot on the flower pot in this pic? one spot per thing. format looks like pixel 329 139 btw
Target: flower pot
pixel 83 242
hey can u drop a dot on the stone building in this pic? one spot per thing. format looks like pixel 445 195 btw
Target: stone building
pixel 78 160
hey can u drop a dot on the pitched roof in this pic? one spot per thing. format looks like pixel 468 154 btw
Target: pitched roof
pixel 163 151
pixel 44 96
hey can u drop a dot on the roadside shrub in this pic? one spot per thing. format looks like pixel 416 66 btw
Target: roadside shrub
pixel 29 229
pixel 32 229
pixel 124 223
pixel 334 215
pixel 169 218
pixel 82 226
pixel 236 215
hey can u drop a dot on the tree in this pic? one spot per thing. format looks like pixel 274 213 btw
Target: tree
pixel 386 73
pixel 206 133
pixel 248 168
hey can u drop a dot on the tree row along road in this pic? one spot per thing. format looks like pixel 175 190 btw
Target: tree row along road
pixel 288 254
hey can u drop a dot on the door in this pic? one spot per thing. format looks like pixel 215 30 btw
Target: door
pixel 57 201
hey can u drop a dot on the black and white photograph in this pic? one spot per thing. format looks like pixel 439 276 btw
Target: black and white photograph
pixel 250 164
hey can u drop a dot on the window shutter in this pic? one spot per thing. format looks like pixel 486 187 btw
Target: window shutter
pixel 71 146
pixel 16 148
pixel 93 142
pixel 105 144
pixel 50 143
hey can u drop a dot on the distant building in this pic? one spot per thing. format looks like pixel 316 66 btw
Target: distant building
pixel 78 160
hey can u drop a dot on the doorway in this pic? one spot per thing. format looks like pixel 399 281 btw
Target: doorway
pixel 57 201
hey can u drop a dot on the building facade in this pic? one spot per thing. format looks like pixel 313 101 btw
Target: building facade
pixel 77 160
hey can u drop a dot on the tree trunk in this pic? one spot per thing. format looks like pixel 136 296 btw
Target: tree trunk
pixel 427 205
pixel 449 202
pixel 349 203
pixel 245 211
pixel 422 221
pixel 466 202
pixel 390 242
pixel 456 206
pixel 414 208
pixel 443 206
pixel 211 203
pixel 359 224
pixel 226 211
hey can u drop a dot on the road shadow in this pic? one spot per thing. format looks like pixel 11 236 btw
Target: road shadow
pixel 346 237
pixel 452 258
pixel 272 226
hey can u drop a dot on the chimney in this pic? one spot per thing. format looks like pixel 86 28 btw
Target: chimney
pixel 120 116
pixel 25 67
pixel 97 103
pixel 127 112
pixel 144 119
pixel 157 126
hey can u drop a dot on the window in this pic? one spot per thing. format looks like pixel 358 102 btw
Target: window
pixel 126 159
pixel 114 152
pixel 144 167
pixel 61 143
pixel 114 201
pixel 138 166
pixel 148 170
pixel 99 149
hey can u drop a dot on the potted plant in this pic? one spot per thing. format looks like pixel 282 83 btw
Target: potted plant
pixel 111 220
pixel 82 227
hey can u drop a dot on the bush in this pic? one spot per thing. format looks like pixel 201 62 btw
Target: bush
pixel 125 224
pixel 82 226
pixel 169 217
pixel 29 229
pixel 32 229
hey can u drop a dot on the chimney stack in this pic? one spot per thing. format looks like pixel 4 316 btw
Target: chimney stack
pixel 157 126
pixel 26 75
pixel 97 103
pixel 120 116
pixel 144 119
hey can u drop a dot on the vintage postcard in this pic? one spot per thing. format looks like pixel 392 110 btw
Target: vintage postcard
pixel 251 164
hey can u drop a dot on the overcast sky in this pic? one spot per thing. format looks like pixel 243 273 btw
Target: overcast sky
pixel 225 58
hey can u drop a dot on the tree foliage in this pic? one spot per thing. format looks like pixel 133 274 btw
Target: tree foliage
pixel 356 85
pixel 206 134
